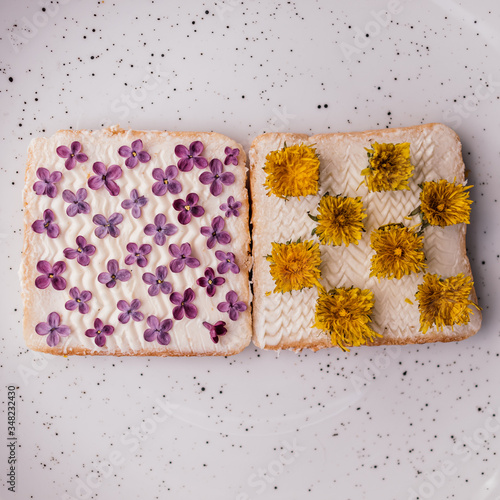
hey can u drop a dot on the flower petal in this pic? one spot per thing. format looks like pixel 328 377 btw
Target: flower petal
pixel 63 151
pixel 125 151
pixel 190 310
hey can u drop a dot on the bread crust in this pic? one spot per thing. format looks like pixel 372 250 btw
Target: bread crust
pixel 317 340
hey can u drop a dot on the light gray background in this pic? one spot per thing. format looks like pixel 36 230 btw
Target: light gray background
pixel 377 423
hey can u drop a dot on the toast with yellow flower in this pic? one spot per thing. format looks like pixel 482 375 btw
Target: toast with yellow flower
pixel 359 239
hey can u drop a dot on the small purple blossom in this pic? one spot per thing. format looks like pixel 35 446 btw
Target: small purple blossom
pixel 78 300
pixel 137 254
pixel 187 208
pixel 114 274
pixel 50 275
pixel 190 157
pixel 157 281
pixel 158 330
pixel 105 177
pixel 77 205
pixel 166 181
pixel 135 202
pixel 182 257
pixel 47 183
pixel 231 156
pixel 216 330
pixel 231 207
pixel 227 262
pixel 216 177
pixel 130 311
pixel 53 329
pixel 99 332
pixel 107 226
pixel 232 305
pixel 82 253
pixel 215 234
pixel 183 305
pixel 160 229
pixel 46 224
pixel 134 154
pixel 72 155
pixel 210 281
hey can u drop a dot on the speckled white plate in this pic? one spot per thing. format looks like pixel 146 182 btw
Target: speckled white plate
pixel 378 423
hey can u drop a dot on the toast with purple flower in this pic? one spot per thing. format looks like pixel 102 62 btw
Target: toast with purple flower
pixel 136 243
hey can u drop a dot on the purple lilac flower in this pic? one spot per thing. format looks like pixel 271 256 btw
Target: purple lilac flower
pixel 135 202
pixel 99 332
pixel 157 281
pixel 227 262
pixel 166 181
pixel 215 234
pixel 105 177
pixel 107 226
pixel 50 275
pixel 160 229
pixel 47 224
pixel 232 305
pixel 231 207
pixel 216 330
pixel 82 253
pixel 210 281
pixel 158 330
pixel 183 305
pixel 190 157
pixel 232 156
pixel 216 178
pixel 47 183
pixel 53 329
pixel 187 208
pixel 134 154
pixel 129 311
pixel 76 203
pixel 78 300
pixel 114 274
pixel 137 254
pixel 182 257
pixel 72 155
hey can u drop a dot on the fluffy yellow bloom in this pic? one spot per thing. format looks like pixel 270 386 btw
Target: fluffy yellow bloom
pixel 292 171
pixel 344 313
pixel 398 251
pixel 444 302
pixel 445 203
pixel 295 266
pixel 389 167
pixel 340 220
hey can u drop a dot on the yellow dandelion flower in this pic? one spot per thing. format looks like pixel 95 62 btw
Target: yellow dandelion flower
pixel 295 266
pixel 389 167
pixel 445 203
pixel 344 313
pixel 398 251
pixel 444 302
pixel 340 220
pixel 292 171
